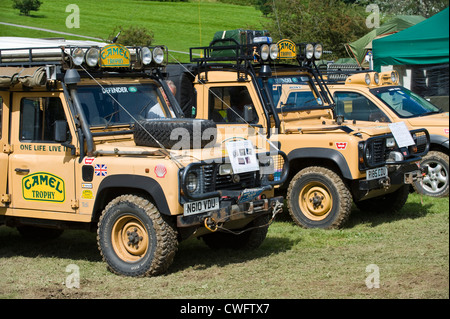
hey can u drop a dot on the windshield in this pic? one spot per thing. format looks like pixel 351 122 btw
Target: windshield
pixel 293 93
pixel 137 102
pixel 404 102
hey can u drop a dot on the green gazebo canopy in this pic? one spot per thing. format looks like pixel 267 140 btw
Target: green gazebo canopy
pixel 424 43
pixel 357 49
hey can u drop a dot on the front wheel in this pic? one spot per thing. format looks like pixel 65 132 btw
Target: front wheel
pixel 317 197
pixel 435 183
pixel 134 238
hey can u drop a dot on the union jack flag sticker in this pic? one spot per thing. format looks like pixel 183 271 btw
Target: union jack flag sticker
pixel 100 170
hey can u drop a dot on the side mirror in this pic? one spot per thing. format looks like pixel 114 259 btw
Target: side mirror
pixel 248 113
pixel 60 131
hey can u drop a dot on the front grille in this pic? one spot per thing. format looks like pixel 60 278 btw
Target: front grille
pixel 378 151
pixel 211 180
pixel 420 138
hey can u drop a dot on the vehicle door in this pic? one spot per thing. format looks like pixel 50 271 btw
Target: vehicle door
pixel 235 109
pixel 41 168
pixel 356 106
pixel 4 145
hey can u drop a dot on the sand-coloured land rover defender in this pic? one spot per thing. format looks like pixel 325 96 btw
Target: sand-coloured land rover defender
pixel 377 97
pixel 333 162
pixel 87 142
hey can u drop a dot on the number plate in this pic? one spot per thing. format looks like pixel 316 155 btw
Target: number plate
pixel 376 173
pixel 201 206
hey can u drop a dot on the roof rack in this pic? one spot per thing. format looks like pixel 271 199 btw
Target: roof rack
pixel 33 56
pixel 37 52
pixel 339 72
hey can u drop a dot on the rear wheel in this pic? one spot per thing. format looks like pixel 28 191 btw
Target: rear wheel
pixel 317 197
pixel 134 238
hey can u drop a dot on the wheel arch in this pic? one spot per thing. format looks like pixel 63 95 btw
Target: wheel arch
pixel 312 156
pixel 116 185
pixel 439 143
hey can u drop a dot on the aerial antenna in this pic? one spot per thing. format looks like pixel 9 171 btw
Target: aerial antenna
pixel 276 17
pixel 116 37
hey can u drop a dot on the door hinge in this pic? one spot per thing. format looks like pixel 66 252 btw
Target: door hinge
pixel 74 203
pixel 7 148
pixel 6 198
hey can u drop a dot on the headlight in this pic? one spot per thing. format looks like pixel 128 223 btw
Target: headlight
pixel 158 55
pixel 273 51
pixel 92 56
pixel 394 77
pixel 376 78
pixel 78 56
pixel 192 182
pixel 264 52
pixel 367 78
pixel 368 154
pixel 225 169
pixel 309 51
pixel 390 142
pixel 318 49
pixel 146 55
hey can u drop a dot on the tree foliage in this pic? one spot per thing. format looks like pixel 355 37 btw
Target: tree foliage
pixel 25 6
pixel 425 8
pixel 133 36
pixel 330 22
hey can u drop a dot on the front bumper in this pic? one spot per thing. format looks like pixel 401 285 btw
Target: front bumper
pixel 397 175
pixel 232 212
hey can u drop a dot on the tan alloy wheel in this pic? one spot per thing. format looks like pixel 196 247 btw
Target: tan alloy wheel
pixel 130 239
pixel 315 201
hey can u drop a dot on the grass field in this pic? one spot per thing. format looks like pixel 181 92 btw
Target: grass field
pixel 178 25
pixel 410 249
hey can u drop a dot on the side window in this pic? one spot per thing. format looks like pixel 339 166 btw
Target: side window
pixel 38 118
pixel 354 106
pixel 231 105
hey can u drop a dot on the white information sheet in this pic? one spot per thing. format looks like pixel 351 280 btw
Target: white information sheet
pixel 401 134
pixel 242 156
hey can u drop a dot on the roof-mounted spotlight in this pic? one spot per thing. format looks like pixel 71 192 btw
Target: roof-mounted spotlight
pixel 309 51
pixel 158 55
pixel 318 50
pixel 146 55
pixel 78 56
pixel 265 51
pixel 92 56
pixel 273 49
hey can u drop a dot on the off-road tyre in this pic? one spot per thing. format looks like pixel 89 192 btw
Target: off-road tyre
pixel 389 203
pixel 317 197
pixel 254 235
pixel 435 183
pixel 133 219
pixel 178 133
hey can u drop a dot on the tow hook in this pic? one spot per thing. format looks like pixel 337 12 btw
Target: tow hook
pixel 385 182
pixel 211 224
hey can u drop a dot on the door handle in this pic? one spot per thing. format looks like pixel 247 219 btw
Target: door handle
pixel 22 170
